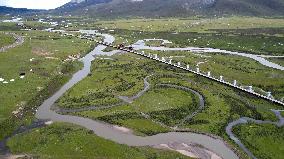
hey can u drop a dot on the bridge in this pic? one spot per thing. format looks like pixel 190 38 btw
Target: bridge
pixel 184 67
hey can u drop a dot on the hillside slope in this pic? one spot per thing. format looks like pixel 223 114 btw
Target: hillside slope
pixel 15 11
pixel 172 8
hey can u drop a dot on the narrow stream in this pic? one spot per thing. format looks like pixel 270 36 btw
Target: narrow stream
pixel 246 120
pixel 19 40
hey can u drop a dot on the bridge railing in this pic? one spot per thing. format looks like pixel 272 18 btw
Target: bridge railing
pixel 196 71
pixel 207 75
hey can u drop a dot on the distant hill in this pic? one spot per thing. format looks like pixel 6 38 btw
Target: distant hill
pixel 171 8
pixel 78 6
pixel 15 11
pixel 161 8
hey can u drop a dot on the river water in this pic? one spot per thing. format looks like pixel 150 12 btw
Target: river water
pixel 140 45
pixel 107 131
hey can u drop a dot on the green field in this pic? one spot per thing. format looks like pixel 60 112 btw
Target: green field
pixel 254 41
pixel 191 24
pixel 9 27
pixel 45 58
pixel 6 39
pixel 246 71
pixel 279 61
pixel 265 141
pixel 40 58
pixel 47 55
pixel 222 104
pixel 245 34
pixel 64 141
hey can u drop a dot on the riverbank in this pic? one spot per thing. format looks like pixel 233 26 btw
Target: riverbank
pixel 19 40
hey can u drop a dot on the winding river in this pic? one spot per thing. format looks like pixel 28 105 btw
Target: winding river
pixel 246 120
pixel 125 99
pixel 19 40
pixel 200 98
pixel 140 45
pixel 107 131
pixel 146 88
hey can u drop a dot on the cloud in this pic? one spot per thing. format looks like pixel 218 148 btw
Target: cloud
pixel 33 4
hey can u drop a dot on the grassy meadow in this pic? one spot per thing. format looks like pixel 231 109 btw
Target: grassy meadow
pixel 41 58
pixel 246 71
pixel 223 104
pixel 6 39
pixel 264 141
pixel 65 141
pixel 190 24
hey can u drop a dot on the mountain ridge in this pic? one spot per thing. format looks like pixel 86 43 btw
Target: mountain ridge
pixel 161 8
pixel 16 11
pixel 172 8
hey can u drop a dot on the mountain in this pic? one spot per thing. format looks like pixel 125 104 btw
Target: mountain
pixel 16 11
pixel 78 6
pixel 171 8
pixel 249 7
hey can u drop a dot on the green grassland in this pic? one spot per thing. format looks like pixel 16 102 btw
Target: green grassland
pixel 247 40
pixel 6 39
pixel 124 74
pixel 222 104
pixel 279 61
pixel 45 73
pixel 246 71
pixel 265 141
pixel 244 34
pixel 64 141
pixel 36 25
pixel 95 89
pixel 9 26
pixel 190 24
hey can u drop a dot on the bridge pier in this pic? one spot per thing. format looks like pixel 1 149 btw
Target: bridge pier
pixel 197 70
pixel 250 89
pixel 235 83
pixel 178 63
pixel 269 94
pixel 170 61
pixel 163 59
pixel 156 56
pixel 222 78
pixel 209 74
pixel 187 67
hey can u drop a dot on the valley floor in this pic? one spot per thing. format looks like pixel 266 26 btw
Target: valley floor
pixel 137 97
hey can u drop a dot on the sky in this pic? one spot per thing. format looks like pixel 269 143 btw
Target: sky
pixel 33 4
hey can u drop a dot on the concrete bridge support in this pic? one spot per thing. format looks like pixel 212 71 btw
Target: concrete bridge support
pixel 235 83
pixel 221 78
pixel 250 89
pixel 197 70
